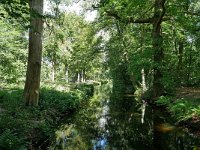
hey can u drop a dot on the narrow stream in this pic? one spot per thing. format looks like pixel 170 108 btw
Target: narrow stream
pixel 129 126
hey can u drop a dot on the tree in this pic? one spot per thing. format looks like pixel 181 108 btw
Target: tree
pixel 159 12
pixel 157 39
pixel 32 84
pixel 13 55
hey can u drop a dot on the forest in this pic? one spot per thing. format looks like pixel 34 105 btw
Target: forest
pixel 99 74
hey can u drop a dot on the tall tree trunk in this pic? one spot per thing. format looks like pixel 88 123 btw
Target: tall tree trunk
pixel 144 87
pixel 32 84
pixel 180 62
pixel 159 12
pixel 82 76
pixel 53 72
pixel 66 74
pixel 78 77
pixel 189 68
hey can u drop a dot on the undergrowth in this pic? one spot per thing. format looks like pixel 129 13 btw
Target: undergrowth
pixel 22 127
pixel 181 109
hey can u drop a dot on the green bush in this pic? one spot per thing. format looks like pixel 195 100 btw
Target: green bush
pixel 61 101
pixel 88 89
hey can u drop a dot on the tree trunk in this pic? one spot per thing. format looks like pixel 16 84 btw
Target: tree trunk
pixel 144 87
pixel 32 84
pixel 66 74
pixel 159 11
pixel 189 68
pixel 180 62
pixel 78 77
pixel 53 73
pixel 82 76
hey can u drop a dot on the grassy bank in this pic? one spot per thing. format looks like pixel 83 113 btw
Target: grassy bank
pixel 23 127
pixel 184 108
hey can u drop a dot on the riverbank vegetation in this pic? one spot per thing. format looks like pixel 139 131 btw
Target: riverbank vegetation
pixel 184 107
pixel 34 127
pixel 53 53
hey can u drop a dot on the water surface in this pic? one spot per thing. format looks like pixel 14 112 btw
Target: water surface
pixel 123 124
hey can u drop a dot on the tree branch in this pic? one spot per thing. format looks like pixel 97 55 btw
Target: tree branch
pixel 163 10
pixel 129 19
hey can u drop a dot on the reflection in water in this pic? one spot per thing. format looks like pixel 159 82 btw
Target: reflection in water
pixel 70 139
pixel 105 125
pixel 143 108
pixel 100 144
pixel 104 115
pixel 126 130
pixel 165 127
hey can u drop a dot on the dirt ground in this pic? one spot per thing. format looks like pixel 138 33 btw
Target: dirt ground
pixel 188 92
